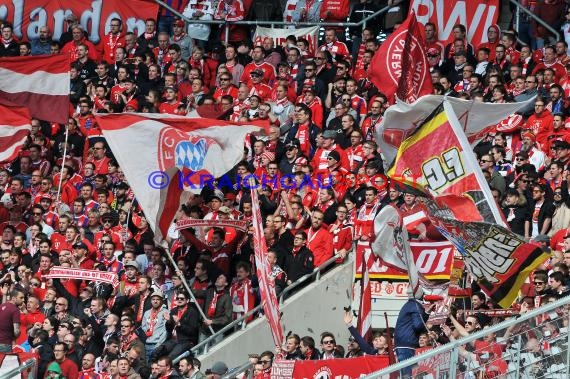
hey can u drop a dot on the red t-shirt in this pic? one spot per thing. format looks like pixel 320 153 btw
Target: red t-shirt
pixel 9 315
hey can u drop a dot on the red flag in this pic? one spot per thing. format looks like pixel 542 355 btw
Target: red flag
pixel 400 67
pixel 364 324
pixel 14 129
pixel 40 83
pixel 266 284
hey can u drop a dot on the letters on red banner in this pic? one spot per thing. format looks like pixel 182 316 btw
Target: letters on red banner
pixel 349 368
pixel 433 260
pixel 28 16
pixel 477 16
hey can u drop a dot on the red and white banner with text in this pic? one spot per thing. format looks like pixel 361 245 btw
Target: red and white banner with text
pixel 279 36
pixel 348 368
pixel 266 283
pixel 28 16
pixel 433 260
pixel 81 274
pixel 191 223
pixel 477 16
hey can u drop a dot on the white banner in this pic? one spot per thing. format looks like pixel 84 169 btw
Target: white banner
pixel 279 36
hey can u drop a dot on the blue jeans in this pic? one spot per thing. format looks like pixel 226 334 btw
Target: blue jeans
pixel 403 353
pixel 5 348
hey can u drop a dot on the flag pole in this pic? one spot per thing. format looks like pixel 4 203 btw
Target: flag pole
pixel 187 287
pixel 359 320
pixel 391 356
pixel 62 164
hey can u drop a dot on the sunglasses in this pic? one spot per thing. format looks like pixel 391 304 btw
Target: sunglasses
pixel 538 283
pixel 181 298
pixel 328 342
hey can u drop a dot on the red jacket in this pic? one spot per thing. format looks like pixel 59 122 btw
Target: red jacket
pixel 321 244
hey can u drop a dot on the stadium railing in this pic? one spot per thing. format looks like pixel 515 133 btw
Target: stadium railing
pixel 31 365
pixel 521 9
pixel 240 324
pixel 272 24
pixel 520 358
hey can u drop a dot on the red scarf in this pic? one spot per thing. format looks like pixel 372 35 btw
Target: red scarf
pixel 152 321
pixel 176 39
pixel 141 308
pixel 88 374
pixel 212 308
pixel 126 343
pixel 181 311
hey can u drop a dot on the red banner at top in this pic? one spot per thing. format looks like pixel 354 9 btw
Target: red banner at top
pixel 477 16
pixel 28 16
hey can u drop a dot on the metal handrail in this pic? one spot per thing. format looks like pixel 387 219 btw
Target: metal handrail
pixel 520 7
pixel 204 344
pixel 279 23
pixel 16 371
pixel 454 345
pixel 238 370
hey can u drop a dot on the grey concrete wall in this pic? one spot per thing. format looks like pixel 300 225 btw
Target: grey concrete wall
pixel 311 311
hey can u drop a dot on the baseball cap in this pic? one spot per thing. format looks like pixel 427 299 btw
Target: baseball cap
pixel 157 294
pixel 46 196
pixel 334 155
pixel 329 134
pixel 561 144
pixel 178 23
pixel 224 209
pixel 219 368
pixel 79 245
pixel 134 264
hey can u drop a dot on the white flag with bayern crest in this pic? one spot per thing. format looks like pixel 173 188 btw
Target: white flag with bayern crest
pixel 165 157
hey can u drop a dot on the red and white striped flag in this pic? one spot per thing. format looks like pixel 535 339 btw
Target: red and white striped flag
pixel 266 284
pixel 14 129
pixel 364 324
pixel 40 83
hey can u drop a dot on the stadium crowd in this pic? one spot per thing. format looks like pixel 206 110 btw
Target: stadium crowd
pixel 66 202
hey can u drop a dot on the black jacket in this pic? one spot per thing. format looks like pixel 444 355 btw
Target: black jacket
pixel 12 50
pixel 187 330
pixel 265 10
pixel 300 264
